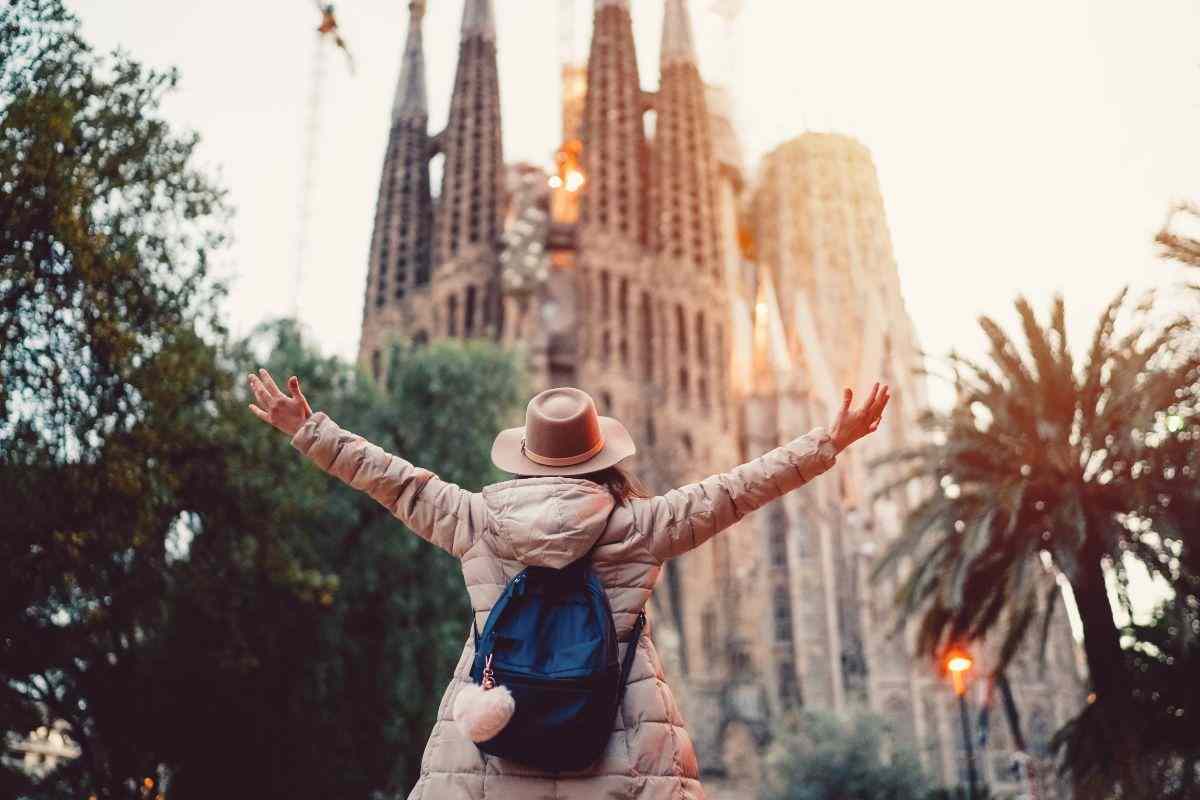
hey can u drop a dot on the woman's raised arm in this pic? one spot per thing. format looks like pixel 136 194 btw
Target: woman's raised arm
pixel 685 518
pixel 438 511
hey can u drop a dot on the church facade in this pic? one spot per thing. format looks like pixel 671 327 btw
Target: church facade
pixel 717 316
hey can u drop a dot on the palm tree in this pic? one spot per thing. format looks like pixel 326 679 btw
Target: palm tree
pixel 1175 244
pixel 1040 466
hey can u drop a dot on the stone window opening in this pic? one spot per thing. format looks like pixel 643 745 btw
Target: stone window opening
pixel 469 313
pixel 681 329
pixel 789 688
pixel 605 297
pixel 452 315
pixel 709 638
pixel 647 336
pixel 782 613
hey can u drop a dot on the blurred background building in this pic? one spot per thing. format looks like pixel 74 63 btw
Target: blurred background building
pixel 717 310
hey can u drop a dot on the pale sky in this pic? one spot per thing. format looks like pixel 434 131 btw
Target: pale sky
pixel 1024 146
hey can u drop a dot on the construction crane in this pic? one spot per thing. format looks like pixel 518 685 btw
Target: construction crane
pixel 328 35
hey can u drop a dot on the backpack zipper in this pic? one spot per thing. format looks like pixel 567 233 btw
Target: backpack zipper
pixel 489 678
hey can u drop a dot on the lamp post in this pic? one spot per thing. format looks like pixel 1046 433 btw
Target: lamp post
pixel 957 664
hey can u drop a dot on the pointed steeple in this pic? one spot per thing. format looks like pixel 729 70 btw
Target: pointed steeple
pixel 469 211
pixel 479 20
pixel 467 226
pixel 677 46
pixel 683 224
pixel 401 254
pixel 411 98
pixel 614 143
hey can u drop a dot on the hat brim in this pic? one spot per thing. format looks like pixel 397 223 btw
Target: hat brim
pixel 507 454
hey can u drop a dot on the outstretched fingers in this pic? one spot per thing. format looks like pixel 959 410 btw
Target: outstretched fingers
pixel 876 410
pixel 270 383
pixel 870 401
pixel 258 412
pixel 261 393
pixel 294 388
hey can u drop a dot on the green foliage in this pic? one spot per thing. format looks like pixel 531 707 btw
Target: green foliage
pixel 176 582
pixel 818 756
pixel 311 635
pixel 104 374
pixel 1094 468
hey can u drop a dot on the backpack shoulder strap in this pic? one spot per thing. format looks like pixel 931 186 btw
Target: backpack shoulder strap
pixel 513 586
pixel 627 663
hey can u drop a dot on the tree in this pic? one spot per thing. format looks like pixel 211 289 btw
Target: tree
pixel 1177 245
pixel 1092 469
pixel 176 583
pixel 311 636
pixel 818 756
pixel 104 369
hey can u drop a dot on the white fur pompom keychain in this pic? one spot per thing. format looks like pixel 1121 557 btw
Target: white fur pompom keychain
pixel 482 710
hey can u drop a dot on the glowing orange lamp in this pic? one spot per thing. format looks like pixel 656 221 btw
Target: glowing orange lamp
pixel 957 664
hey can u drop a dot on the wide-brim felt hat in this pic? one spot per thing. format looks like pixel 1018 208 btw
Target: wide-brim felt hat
pixel 563 435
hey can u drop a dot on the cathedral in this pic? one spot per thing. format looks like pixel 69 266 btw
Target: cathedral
pixel 718 313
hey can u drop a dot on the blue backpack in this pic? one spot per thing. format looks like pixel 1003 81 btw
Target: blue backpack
pixel 550 639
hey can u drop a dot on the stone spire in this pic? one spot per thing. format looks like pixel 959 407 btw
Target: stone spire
pixel 468 218
pixel 479 20
pixel 683 222
pixel 677 44
pixel 400 254
pixel 614 145
pixel 411 99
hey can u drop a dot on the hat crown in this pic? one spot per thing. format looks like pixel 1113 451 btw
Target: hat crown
pixel 562 423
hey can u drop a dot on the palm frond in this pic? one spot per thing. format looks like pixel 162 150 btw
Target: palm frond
pixel 1055 383
pixel 1098 358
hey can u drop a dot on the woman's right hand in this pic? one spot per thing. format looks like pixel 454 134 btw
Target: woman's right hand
pixel 852 425
pixel 285 413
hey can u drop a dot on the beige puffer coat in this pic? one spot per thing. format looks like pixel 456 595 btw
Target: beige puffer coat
pixel 552 522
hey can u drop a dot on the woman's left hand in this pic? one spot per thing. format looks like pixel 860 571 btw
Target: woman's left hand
pixel 285 413
pixel 853 425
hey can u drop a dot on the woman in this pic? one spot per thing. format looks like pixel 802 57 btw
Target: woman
pixel 571 500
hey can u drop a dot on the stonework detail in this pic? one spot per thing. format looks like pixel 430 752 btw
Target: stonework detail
pixel 401 245
pixel 614 160
pixel 718 317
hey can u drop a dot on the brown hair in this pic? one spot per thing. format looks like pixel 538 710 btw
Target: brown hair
pixel 620 482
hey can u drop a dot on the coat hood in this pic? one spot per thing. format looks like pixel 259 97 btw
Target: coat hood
pixel 551 521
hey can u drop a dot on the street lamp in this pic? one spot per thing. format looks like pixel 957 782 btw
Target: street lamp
pixel 957 664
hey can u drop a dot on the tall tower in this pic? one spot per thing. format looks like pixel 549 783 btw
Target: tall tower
pixel 683 226
pixel 617 340
pixel 400 254
pixel 614 144
pixel 467 224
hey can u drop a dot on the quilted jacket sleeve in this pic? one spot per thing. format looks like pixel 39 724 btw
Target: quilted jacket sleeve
pixel 437 511
pixel 687 517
